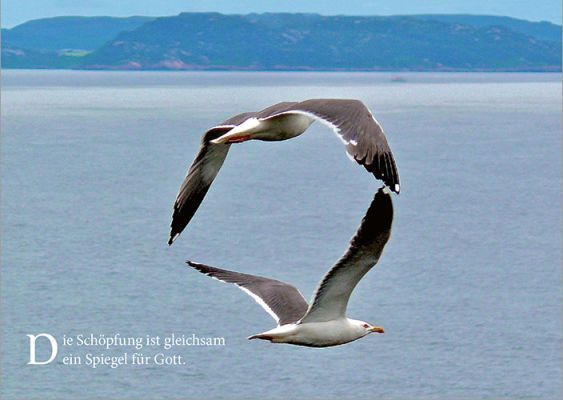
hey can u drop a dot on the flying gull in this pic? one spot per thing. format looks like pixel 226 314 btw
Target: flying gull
pixel 322 323
pixel 352 122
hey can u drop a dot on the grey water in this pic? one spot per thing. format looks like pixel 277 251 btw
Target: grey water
pixel 468 287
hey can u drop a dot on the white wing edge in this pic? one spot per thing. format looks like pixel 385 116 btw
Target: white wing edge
pixel 256 298
pixel 262 304
pixel 221 126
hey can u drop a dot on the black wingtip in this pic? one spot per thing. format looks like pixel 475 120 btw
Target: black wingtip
pixel 172 238
pixel 378 219
pixel 204 269
pixel 384 191
pixel 389 177
pixel 195 265
pixel 382 205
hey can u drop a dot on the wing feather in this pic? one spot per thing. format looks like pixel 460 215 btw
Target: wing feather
pixel 282 301
pixel 331 297
pixel 201 174
pixel 355 125
pixel 199 178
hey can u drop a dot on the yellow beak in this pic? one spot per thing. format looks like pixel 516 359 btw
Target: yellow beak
pixel 377 329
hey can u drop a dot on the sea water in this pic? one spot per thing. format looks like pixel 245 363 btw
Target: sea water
pixel 468 287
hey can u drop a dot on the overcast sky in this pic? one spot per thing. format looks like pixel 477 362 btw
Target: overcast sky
pixel 15 12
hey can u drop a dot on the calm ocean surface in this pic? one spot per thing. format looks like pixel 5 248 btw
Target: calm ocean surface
pixel 468 288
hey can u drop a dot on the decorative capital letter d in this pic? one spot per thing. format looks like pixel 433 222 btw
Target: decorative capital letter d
pixel 54 349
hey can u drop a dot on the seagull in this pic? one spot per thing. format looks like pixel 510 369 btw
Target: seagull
pixel 351 120
pixel 322 323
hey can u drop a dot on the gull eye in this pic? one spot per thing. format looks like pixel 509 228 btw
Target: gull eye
pixel 366 326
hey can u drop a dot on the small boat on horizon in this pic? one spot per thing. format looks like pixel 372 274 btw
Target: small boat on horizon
pixel 398 79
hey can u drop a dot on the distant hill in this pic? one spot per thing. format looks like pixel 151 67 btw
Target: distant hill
pixel 60 42
pixel 286 42
pixel 539 30
pixel 13 57
pixel 53 34
pixel 308 41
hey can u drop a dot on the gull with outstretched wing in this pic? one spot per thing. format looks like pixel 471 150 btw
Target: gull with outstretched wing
pixel 323 322
pixel 351 120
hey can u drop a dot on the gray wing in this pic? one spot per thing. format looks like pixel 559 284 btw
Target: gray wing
pixel 238 119
pixel 275 109
pixel 201 174
pixel 331 297
pixel 359 130
pixel 282 301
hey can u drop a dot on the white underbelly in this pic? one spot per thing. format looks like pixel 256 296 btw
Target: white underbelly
pixel 287 126
pixel 316 334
